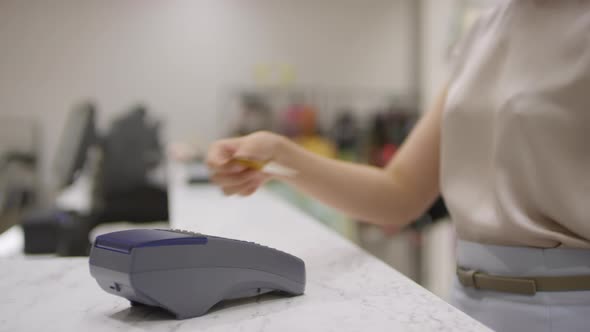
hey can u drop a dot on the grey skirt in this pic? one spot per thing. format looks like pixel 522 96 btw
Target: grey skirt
pixel 544 311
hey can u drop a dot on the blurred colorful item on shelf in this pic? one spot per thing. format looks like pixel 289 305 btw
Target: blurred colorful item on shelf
pixel 318 145
pixel 299 119
pixel 346 135
pixel 274 74
pixel 389 130
pixel 255 114
pixel 386 153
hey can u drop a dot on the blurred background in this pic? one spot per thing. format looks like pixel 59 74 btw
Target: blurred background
pixel 97 98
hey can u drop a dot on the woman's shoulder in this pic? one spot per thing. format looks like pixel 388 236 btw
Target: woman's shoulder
pixel 484 25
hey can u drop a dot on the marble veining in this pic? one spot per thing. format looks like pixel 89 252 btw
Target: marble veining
pixel 60 295
pixel 347 288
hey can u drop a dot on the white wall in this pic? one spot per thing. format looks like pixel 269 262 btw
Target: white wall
pixel 178 56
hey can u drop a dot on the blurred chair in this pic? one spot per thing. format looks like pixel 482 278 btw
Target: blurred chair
pixel 125 188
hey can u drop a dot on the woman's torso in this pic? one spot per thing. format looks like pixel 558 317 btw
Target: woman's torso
pixel 515 166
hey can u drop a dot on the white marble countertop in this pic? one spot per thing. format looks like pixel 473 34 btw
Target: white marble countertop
pixel 347 288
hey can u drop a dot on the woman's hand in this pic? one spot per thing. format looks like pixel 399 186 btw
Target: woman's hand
pixel 235 178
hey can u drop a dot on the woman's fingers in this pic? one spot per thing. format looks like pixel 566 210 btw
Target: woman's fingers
pixel 231 179
pixel 248 191
pixel 234 190
pixel 257 183
pixel 244 188
pixel 231 167
pixel 221 153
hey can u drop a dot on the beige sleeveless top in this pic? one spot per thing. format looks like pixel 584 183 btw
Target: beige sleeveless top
pixel 516 129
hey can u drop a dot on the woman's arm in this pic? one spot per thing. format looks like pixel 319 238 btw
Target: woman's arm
pixel 397 194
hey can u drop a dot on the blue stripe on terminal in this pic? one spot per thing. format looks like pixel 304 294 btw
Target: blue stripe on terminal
pixel 125 241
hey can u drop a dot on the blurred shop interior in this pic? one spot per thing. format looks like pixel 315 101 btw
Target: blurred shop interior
pixel 99 98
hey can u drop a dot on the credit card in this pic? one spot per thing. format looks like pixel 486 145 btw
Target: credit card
pixel 268 167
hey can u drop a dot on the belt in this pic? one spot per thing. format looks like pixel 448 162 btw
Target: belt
pixel 522 285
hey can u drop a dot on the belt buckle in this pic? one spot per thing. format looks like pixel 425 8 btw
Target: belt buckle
pixel 467 277
pixel 515 285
